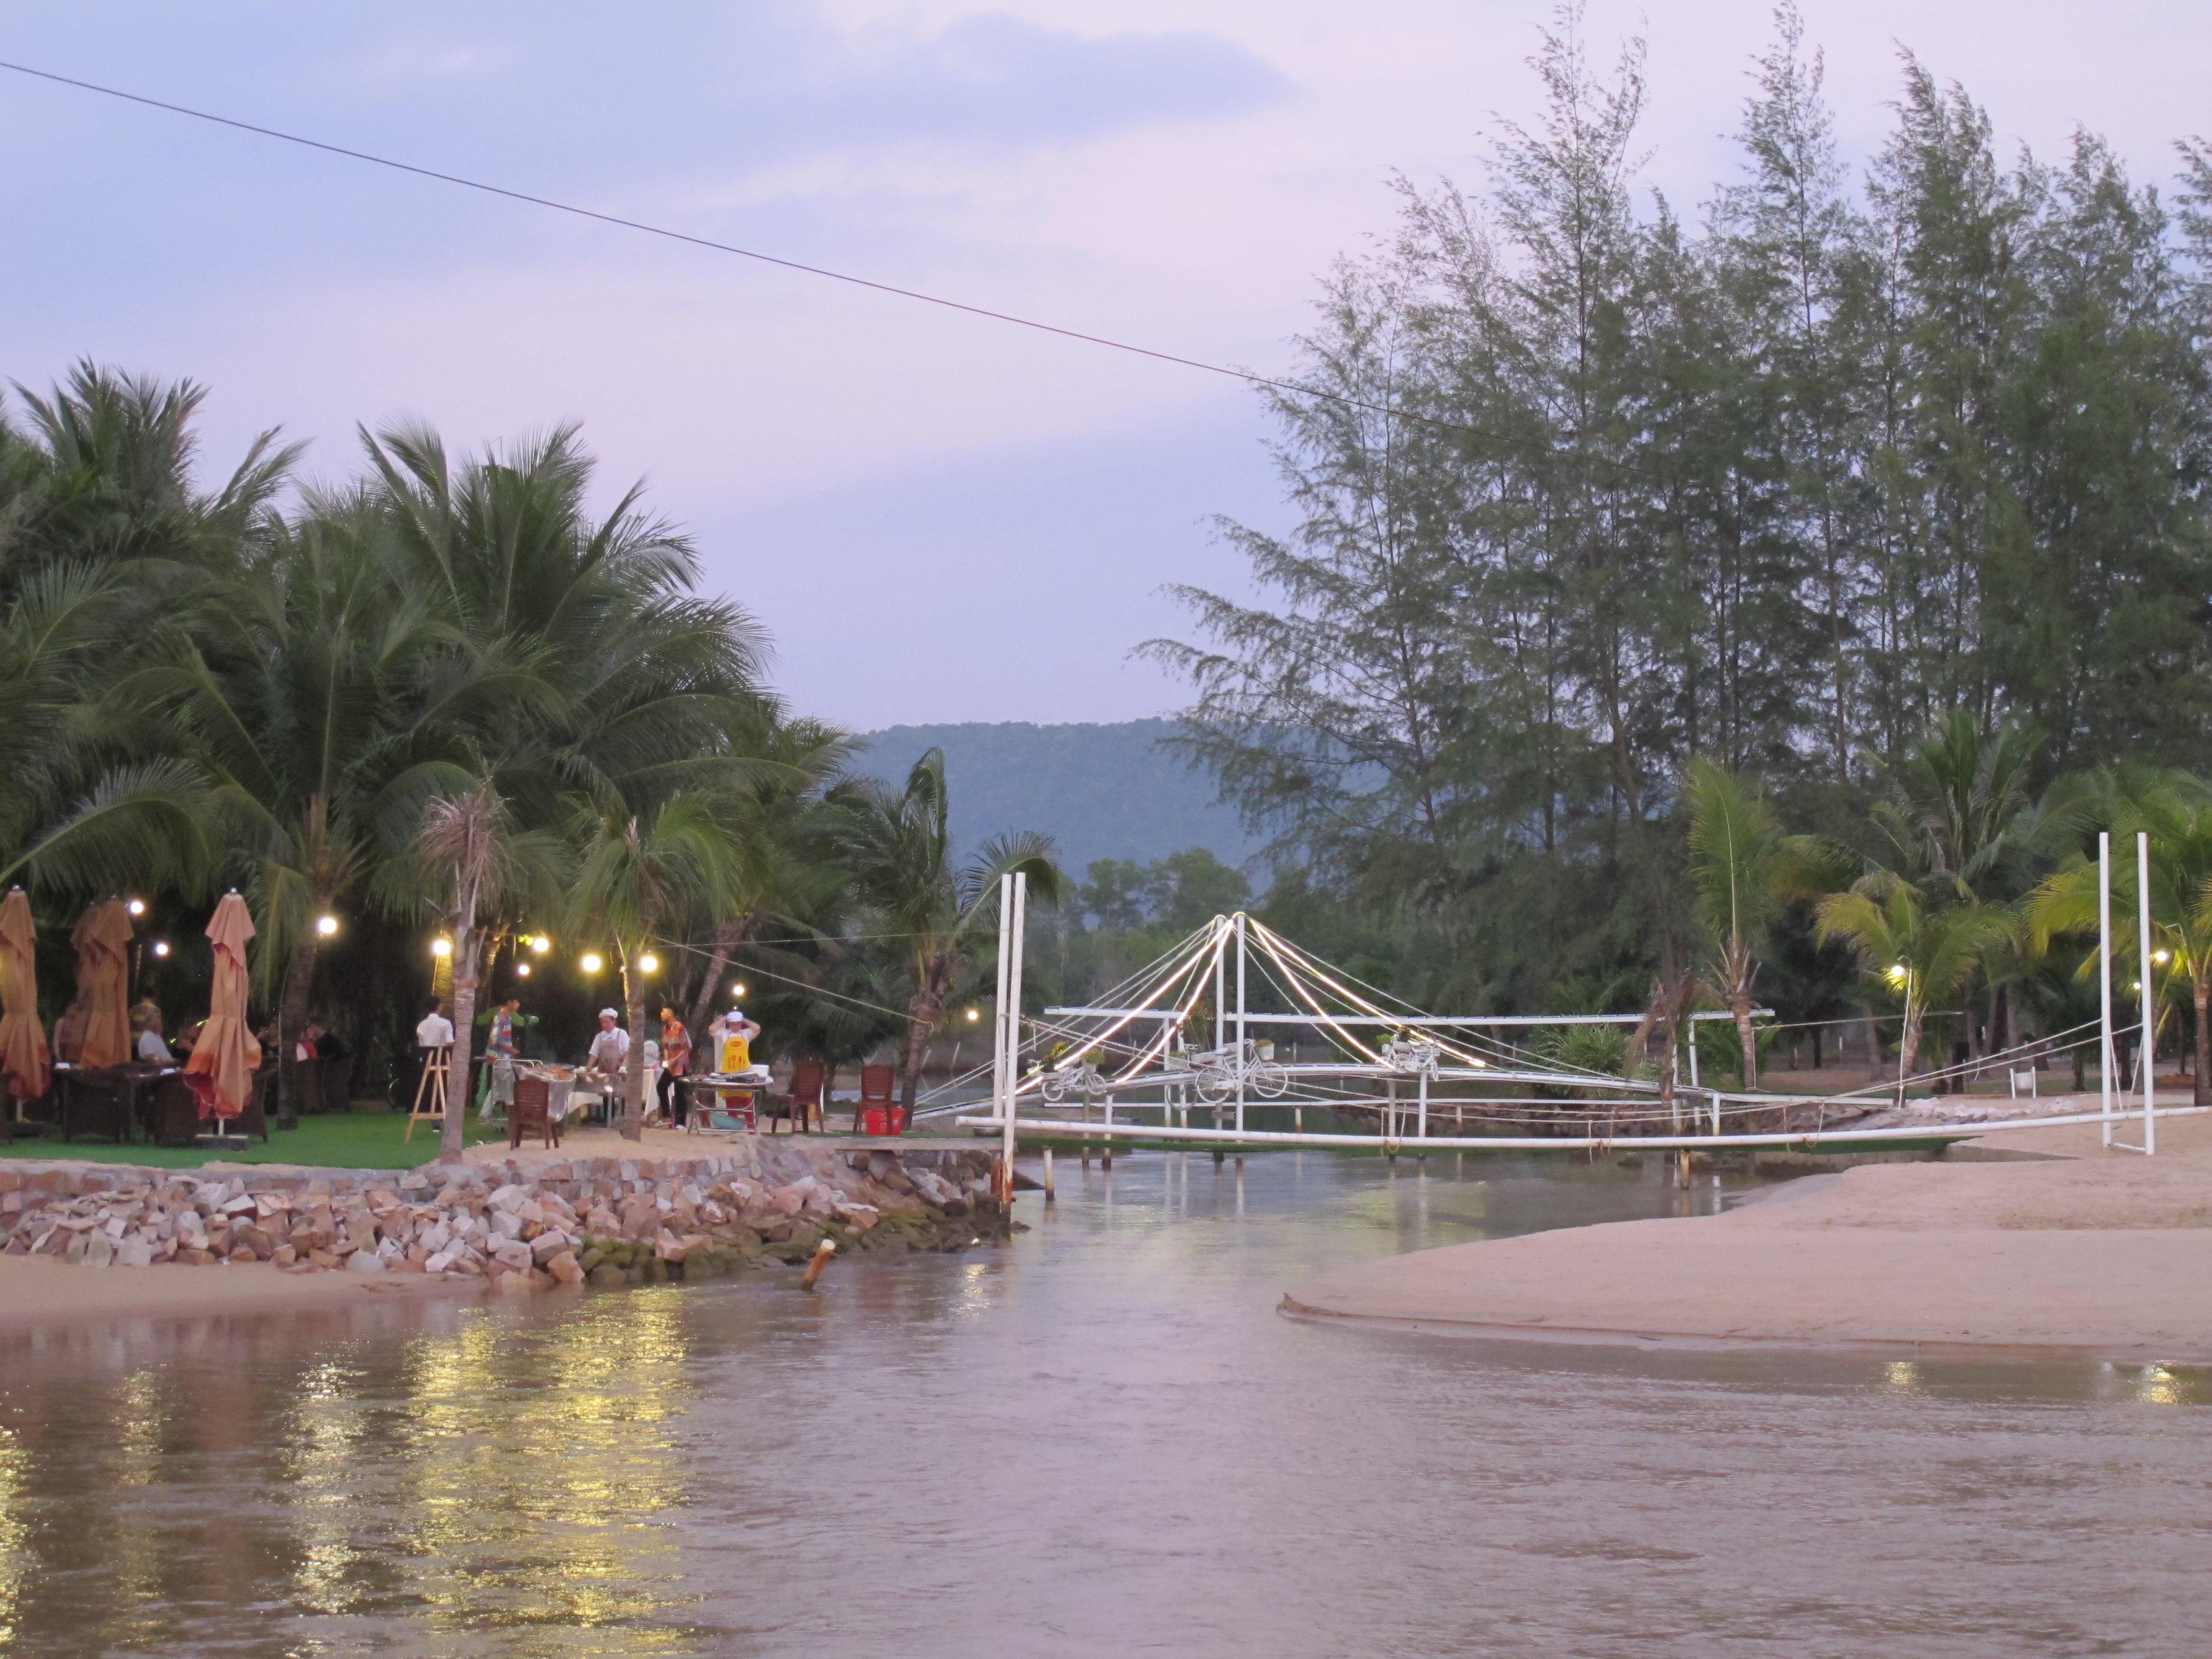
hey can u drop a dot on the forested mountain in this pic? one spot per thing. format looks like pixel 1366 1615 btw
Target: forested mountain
pixel 1784 479
pixel 1100 792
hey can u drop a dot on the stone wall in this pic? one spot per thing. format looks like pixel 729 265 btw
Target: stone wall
pixel 524 1225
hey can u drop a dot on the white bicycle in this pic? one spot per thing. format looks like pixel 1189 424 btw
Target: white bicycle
pixel 1217 1072
pixel 1083 1080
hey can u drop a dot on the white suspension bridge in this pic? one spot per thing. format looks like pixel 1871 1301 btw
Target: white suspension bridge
pixel 1182 1036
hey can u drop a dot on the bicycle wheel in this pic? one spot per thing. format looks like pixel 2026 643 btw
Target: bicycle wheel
pixel 1214 1087
pixel 1054 1088
pixel 1270 1081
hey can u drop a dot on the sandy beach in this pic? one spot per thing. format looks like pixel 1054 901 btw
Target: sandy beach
pixel 2075 1251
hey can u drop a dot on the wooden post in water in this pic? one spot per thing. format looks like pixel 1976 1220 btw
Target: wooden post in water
pixel 823 1252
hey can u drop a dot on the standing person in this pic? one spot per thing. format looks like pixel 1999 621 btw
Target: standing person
pixel 609 1053
pixel 675 1063
pixel 500 1054
pixel 434 1030
pixel 733 1035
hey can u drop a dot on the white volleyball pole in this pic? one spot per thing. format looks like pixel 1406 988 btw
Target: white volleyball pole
pixel 1012 927
pixel 2105 1052
pixel 2143 956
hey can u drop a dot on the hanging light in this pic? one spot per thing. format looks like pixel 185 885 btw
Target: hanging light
pixel 441 947
pixel 590 962
pixel 137 907
pixel 540 944
pixel 648 963
pixel 975 1014
pixel 2161 958
pixel 160 947
pixel 738 989
pixel 1899 974
pixel 326 925
pixel 522 971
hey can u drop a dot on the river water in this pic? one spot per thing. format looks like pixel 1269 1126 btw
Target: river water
pixel 1100 1439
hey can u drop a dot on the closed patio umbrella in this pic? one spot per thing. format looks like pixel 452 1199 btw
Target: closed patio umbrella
pixel 103 979
pixel 223 1061
pixel 24 1060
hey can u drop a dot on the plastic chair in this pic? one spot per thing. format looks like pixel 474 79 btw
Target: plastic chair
pixel 532 1113
pixel 873 1113
pixel 806 1079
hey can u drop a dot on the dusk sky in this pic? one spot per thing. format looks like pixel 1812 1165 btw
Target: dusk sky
pixel 937 518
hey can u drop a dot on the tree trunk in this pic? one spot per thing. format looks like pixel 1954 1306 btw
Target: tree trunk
pixel 291 1020
pixel 634 1068
pixel 1740 1006
pixel 468 974
pixel 2198 1094
pixel 1908 1049
pixel 923 1010
pixel 728 935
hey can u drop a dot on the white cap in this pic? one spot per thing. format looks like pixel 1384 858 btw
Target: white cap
pixel 609 1013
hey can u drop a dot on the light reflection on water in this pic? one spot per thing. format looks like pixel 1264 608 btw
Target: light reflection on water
pixel 1099 1440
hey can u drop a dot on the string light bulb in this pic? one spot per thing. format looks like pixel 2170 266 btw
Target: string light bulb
pixel 326 925
pixel 522 971
pixel 738 989
pixel 137 907
pixel 441 947
pixel 540 944
pixel 160 947
pixel 648 963
pixel 590 962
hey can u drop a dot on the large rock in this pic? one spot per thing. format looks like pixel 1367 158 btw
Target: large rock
pixel 365 1261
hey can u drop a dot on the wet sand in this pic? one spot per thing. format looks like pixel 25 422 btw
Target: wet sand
pixel 2077 1252
pixel 43 1290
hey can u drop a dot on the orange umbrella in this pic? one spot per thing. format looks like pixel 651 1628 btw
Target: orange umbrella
pixel 103 978
pixel 23 1058
pixel 224 1059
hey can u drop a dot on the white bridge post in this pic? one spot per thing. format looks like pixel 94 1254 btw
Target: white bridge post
pixel 1013 895
pixel 1241 954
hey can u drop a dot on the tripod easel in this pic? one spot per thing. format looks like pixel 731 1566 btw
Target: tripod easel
pixel 430 1092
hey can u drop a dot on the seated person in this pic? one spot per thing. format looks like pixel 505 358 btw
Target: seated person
pixel 150 1048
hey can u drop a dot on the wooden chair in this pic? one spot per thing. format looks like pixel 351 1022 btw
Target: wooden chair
pixel 532 1113
pixel 806 1079
pixel 873 1113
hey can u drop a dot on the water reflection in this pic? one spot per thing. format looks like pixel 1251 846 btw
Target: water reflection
pixel 1098 1440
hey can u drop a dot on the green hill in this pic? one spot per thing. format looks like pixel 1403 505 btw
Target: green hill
pixel 1099 790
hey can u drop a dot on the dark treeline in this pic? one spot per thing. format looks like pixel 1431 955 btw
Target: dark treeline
pixel 443 706
pixel 1786 480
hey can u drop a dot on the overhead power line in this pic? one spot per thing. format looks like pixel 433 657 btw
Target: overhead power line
pixel 1296 388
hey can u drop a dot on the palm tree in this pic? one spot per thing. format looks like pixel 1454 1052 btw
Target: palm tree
pixel 897 848
pixel 644 878
pixel 1960 814
pixel 323 701
pixel 1920 951
pixel 479 862
pixel 2176 810
pixel 1742 868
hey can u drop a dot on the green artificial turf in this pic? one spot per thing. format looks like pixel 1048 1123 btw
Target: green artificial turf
pixel 348 1140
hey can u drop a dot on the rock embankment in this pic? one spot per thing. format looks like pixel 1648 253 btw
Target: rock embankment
pixel 521 1227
